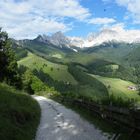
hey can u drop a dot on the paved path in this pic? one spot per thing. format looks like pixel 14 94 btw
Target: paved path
pixel 60 123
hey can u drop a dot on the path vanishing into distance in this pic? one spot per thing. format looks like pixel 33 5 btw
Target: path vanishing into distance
pixel 59 123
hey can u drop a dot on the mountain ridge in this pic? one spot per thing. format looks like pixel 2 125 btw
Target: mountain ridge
pixel 59 43
pixel 93 39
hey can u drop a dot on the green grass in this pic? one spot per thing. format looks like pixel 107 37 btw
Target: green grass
pixel 57 55
pixel 19 115
pixel 112 67
pixel 118 87
pixel 89 87
pixel 92 93
pixel 43 49
pixel 112 51
pixel 81 58
pixel 56 71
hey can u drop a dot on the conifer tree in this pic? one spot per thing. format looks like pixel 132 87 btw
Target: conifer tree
pixel 8 63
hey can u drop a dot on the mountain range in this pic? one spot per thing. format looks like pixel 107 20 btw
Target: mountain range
pixel 111 44
pixel 93 39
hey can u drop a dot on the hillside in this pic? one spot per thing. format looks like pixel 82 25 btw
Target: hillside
pixel 106 60
pixel 134 56
pixel 114 51
pixel 19 114
pixel 56 71
pixel 69 80
pixel 119 88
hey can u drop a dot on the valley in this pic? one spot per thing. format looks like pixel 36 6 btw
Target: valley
pixel 103 77
pixel 71 65
pixel 109 60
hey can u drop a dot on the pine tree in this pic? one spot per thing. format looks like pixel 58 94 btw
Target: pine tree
pixel 8 63
pixel 3 39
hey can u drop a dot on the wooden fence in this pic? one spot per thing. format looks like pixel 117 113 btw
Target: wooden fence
pixel 124 116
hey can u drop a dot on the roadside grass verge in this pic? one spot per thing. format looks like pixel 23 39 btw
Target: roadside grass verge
pixel 19 115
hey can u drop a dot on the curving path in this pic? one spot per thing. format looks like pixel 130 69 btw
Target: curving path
pixel 60 123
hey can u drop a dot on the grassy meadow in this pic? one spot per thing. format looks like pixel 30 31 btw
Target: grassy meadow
pixel 56 71
pixel 118 87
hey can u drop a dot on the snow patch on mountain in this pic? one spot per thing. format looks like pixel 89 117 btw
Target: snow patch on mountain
pixel 76 41
pixel 114 34
pixel 107 35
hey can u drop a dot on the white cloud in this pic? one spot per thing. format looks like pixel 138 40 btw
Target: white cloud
pixel 102 21
pixel 27 18
pixel 106 1
pixel 122 34
pixel 133 6
pixel 115 26
pixel 37 26
pixel 64 8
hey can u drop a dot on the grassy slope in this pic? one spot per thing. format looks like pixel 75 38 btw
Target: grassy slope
pixel 80 57
pixel 43 48
pixel 119 87
pixel 134 56
pixel 19 115
pixel 112 51
pixel 123 54
pixel 88 87
pixel 59 71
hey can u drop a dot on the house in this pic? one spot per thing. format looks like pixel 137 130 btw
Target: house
pixel 132 88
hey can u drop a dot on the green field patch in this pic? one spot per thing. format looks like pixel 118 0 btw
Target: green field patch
pixel 81 58
pixel 118 87
pixel 56 71
pixel 57 56
pixel 112 67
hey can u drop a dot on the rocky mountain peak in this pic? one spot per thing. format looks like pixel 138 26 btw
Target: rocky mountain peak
pixel 93 39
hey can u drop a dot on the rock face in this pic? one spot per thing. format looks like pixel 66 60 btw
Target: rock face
pixel 59 39
pixel 42 38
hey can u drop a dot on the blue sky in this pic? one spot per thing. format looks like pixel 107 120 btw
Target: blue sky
pixel 101 9
pixel 28 18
